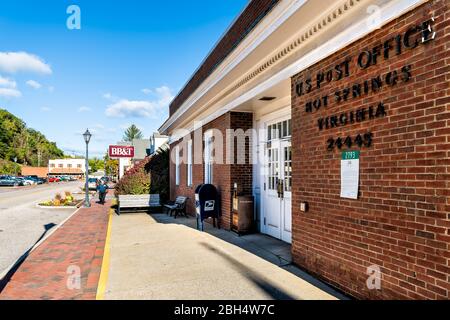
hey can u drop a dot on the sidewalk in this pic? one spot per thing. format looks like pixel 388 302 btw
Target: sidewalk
pixel 67 264
pixel 156 257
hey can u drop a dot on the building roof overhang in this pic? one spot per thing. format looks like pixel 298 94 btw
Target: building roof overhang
pixel 293 36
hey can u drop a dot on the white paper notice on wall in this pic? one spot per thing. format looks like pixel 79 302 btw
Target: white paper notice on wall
pixel 350 174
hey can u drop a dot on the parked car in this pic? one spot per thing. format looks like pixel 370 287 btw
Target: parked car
pixel 35 179
pixel 28 181
pixel 92 183
pixel 54 179
pixel 43 180
pixel 22 181
pixel 8 181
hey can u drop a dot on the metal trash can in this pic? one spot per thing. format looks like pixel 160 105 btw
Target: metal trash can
pixel 242 216
pixel 207 204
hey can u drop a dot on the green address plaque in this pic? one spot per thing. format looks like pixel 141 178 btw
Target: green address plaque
pixel 350 155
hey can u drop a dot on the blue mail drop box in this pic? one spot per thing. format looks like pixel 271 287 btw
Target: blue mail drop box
pixel 207 204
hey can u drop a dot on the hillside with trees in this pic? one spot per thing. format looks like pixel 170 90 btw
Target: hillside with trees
pixel 29 146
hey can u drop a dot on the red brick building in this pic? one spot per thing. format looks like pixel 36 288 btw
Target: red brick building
pixel 302 83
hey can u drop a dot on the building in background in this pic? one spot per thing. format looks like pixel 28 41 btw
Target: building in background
pixel 350 99
pixel 67 167
pixel 141 151
pixel 40 172
pixel 157 140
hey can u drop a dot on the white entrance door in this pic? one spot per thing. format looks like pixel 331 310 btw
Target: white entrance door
pixel 278 187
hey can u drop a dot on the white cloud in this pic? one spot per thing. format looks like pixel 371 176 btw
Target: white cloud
pixel 165 96
pixel 8 83
pixel 146 91
pixel 141 108
pixel 84 109
pixel 46 109
pixel 10 93
pixel 13 62
pixel 131 108
pixel 34 84
pixel 110 97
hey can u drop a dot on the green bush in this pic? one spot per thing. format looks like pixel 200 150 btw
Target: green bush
pixel 10 168
pixel 158 166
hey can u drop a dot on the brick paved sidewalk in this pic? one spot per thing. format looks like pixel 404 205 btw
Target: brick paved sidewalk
pixel 75 248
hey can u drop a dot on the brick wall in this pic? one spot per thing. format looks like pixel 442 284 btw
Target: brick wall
pixel 401 220
pixel 224 175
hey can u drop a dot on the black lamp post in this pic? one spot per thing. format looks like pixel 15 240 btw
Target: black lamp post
pixel 87 137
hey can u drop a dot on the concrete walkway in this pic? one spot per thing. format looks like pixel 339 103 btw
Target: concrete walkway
pixel 168 259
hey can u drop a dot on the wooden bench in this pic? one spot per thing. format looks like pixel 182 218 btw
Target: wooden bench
pixel 146 201
pixel 177 207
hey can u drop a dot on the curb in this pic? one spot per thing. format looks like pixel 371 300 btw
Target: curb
pixel 104 272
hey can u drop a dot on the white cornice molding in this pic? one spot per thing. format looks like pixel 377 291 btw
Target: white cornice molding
pixel 388 12
pixel 283 11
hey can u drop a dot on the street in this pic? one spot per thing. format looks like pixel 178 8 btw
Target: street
pixel 22 223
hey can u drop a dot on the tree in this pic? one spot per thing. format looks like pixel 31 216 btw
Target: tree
pixel 29 146
pixel 96 164
pixel 158 167
pixel 131 133
pixel 111 166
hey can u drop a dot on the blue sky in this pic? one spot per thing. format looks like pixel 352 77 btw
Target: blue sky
pixel 123 66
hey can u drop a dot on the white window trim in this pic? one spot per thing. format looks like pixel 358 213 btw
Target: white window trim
pixel 189 163
pixel 177 165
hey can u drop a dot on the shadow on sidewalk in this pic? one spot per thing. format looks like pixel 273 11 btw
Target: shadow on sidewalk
pixel 271 290
pixel 4 282
pixel 265 247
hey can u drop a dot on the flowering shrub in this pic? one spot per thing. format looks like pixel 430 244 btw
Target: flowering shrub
pixel 150 176
pixel 59 201
pixel 135 181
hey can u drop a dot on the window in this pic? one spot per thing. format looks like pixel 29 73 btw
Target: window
pixel 69 165
pixel 209 158
pixel 177 165
pixel 79 166
pixel 60 165
pixel 288 169
pixel 52 165
pixel 189 163
pixel 279 130
pixel 273 168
